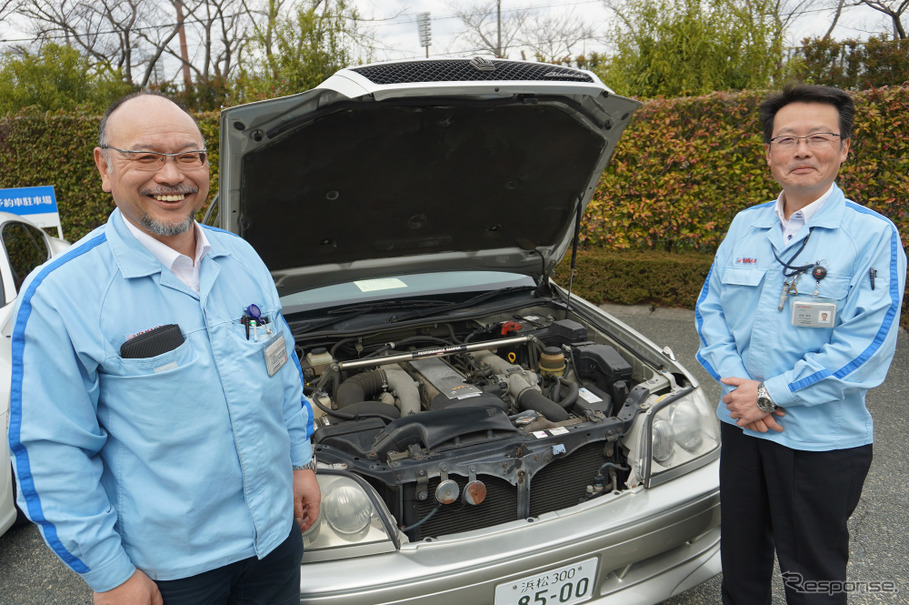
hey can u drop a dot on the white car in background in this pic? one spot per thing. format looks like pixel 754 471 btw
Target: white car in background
pixel 484 437
pixel 25 246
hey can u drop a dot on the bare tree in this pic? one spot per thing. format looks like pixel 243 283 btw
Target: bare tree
pixel 107 30
pixel 136 36
pixel 6 7
pixel 782 12
pixel 487 27
pixel 221 29
pixel 893 9
pixel 788 11
pixel 552 37
pixel 836 18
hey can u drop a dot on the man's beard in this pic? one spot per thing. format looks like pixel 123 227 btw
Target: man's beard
pixel 165 229
pixel 160 228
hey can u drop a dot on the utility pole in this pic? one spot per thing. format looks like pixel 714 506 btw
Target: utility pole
pixel 184 54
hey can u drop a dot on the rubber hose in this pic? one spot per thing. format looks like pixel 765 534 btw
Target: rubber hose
pixel 362 387
pixel 571 397
pixel 531 399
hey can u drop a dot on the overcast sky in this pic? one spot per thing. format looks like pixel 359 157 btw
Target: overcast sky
pixel 394 24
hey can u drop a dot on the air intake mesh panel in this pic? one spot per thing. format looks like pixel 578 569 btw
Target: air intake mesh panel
pixel 461 70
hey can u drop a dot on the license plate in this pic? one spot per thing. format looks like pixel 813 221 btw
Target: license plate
pixel 563 586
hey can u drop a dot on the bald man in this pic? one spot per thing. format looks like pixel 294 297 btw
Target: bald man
pixel 163 451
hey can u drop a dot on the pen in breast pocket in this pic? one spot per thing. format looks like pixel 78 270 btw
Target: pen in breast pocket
pixel 252 317
pixel 871 275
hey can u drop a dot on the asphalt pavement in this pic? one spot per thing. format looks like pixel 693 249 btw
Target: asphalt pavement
pixel 879 546
pixel 31 575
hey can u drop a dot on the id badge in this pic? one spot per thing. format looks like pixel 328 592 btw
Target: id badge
pixel 813 314
pixel 275 354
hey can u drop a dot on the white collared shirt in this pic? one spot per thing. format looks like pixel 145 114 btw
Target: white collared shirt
pixel 794 223
pixel 185 268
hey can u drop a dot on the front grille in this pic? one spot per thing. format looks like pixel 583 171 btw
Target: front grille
pixel 558 485
pixel 500 506
pixel 562 483
pixel 463 70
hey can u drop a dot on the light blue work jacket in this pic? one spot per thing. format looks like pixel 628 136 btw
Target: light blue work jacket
pixel 178 463
pixel 818 374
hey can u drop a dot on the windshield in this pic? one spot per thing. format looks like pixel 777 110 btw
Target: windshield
pixel 401 287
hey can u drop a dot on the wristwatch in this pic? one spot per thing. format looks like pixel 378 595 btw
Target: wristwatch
pixel 309 466
pixel 764 402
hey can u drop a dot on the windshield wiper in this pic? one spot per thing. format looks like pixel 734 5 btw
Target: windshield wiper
pixel 479 298
pixel 351 311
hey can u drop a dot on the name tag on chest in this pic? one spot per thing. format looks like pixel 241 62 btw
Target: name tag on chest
pixel 813 314
pixel 275 355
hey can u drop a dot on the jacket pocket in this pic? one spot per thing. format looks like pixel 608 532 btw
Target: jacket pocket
pixel 137 367
pixel 734 276
pixel 740 292
pixel 834 287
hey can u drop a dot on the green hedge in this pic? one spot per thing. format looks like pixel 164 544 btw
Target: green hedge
pixel 681 172
pixel 659 278
pixel 686 166
pixel 656 278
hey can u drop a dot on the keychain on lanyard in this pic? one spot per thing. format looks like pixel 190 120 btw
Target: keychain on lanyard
pixel 818 272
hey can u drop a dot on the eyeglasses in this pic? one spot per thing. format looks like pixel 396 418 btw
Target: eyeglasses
pixel 820 139
pixel 152 161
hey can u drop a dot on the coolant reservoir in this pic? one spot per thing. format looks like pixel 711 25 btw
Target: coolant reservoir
pixel 319 360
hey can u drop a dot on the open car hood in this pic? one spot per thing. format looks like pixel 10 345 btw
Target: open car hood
pixel 416 166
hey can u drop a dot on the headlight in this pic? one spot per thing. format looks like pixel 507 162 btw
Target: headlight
pixel 678 433
pixel 663 440
pixel 353 520
pixel 687 425
pixel 682 430
pixel 347 510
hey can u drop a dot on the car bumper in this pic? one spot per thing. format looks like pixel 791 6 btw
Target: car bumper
pixel 7 508
pixel 649 544
pixel 8 513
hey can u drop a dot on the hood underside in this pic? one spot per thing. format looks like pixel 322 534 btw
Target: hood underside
pixel 356 179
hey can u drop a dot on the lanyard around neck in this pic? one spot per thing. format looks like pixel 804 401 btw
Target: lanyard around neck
pixel 794 269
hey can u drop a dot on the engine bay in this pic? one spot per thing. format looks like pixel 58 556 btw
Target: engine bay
pixel 514 414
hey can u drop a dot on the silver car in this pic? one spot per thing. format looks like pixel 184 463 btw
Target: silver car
pixel 483 436
pixel 24 247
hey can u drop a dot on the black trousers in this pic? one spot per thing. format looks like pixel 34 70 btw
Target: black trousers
pixel 795 501
pixel 272 580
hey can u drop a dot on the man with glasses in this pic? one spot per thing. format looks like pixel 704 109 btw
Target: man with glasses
pixel 163 451
pixel 798 318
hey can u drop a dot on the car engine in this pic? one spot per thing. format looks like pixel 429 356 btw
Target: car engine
pixel 465 425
